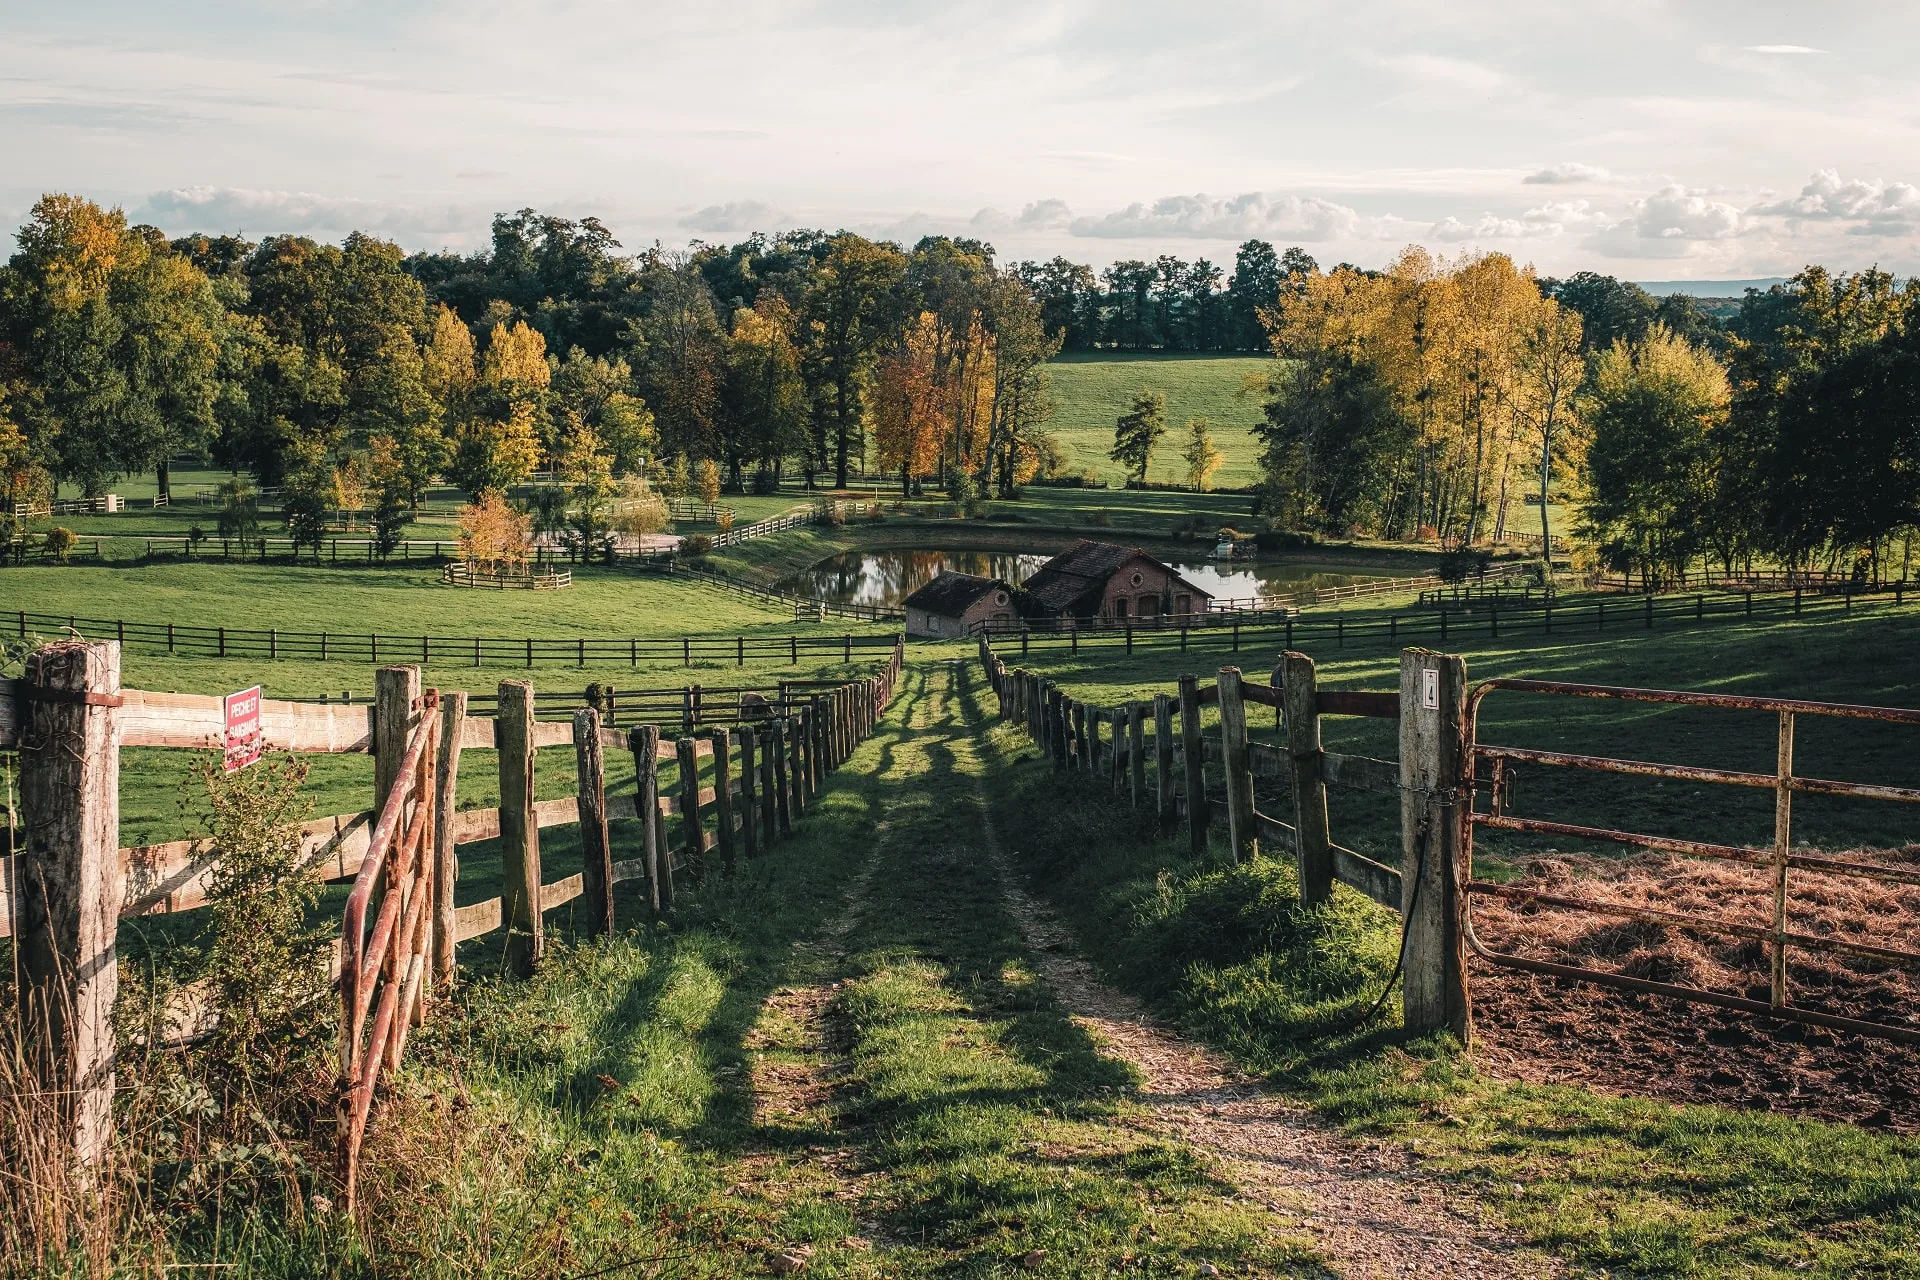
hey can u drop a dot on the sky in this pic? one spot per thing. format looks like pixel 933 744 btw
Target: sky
pixel 1649 139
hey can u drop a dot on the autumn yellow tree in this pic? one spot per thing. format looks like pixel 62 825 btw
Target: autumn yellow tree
pixel 492 533
pixel 906 409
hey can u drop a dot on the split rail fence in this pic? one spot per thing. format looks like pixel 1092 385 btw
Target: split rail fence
pixel 1449 783
pixel 347 646
pixel 70 885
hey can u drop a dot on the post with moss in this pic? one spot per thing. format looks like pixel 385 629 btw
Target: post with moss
pixel 519 829
pixel 687 752
pixel 723 795
pixel 446 856
pixel 596 851
pixel 1238 776
pixel 1435 787
pixel 69 884
pixel 749 787
pixel 1163 760
pixel 1136 754
pixel 782 769
pixel 1313 849
pixel 645 744
pixel 1194 749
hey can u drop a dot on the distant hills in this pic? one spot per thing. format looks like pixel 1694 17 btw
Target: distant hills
pixel 1708 288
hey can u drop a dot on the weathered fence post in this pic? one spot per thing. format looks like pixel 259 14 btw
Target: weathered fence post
pixel 749 790
pixel 1119 715
pixel 69 887
pixel 1094 745
pixel 1057 720
pixel 519 828
pixel 769 793
pixel 395 690
pixel 723 794
pixel 596 853
pixel 645 743
pixel 1313 853
pixel 1136 754
pixel 446 856
pixel 1241 833
pixel 1163 759
pixel 1193 748
pixel 1080 735
pixel 1434 787
pixel 686 750
pixel 783 775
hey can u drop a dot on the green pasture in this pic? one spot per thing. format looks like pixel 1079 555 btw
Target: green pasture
pixel 1091 389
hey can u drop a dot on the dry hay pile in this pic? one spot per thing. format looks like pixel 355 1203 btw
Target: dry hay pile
pixel 1540 1028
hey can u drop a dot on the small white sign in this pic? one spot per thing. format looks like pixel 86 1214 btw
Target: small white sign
pixel 1430 689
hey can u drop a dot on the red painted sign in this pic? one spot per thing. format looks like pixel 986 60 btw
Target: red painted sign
pixel 244 739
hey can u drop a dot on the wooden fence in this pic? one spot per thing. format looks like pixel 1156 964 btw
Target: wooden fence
pixel 1486 618
pixel 1154 753
pixel 71 884
pixel 373 648
pixel 462 574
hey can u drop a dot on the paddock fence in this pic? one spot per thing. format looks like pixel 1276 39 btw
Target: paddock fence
pixel 1450 783
pixel 1445 623
pixel 373 648
pixel 702 800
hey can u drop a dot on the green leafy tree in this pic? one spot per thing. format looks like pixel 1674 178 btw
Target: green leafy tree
pixel 1203 459
pixel 1137 431
pixel 848 309
pixel 1653 408
pixel 1330 433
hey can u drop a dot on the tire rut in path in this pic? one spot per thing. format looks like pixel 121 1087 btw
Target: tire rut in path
pixel 1372 1213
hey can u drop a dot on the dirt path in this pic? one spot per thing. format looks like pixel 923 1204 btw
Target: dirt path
pixel 1370 1211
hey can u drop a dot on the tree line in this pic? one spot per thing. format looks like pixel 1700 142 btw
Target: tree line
pixel 359 370
pixel 1435 399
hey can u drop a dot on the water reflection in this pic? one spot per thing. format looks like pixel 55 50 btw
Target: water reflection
pixel 888 577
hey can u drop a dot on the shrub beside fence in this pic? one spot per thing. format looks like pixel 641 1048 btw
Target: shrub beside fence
pixel 71 883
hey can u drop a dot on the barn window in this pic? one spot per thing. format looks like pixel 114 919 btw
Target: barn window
pixel 1138 577
pixel 1119 608
pixel 999 597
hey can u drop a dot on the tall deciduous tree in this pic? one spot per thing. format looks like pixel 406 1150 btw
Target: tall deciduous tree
pixel 1138 430
pixel 848 309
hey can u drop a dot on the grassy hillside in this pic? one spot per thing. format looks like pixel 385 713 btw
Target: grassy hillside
pixel 1091 389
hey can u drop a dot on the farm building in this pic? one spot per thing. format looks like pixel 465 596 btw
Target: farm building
pixel 1103 580
pixel 953 602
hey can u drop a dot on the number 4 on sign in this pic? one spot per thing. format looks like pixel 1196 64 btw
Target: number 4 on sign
pixel 1430 689
pixel 244 739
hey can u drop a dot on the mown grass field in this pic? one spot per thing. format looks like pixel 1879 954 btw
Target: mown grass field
pixel 1091 389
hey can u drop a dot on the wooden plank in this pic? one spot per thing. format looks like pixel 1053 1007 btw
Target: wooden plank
pixel 1435 760
pixel 1271 828
pixel 591 802
pixel 1265 695
pixel 1193 753
pixel 1242 832
pixel 1360 773
pixel 475 919
pixel 1266 760
pixel 476 733
pixel 1356 702
pixel 560 891
pixel 199 722
pixel 1377 881
pixel 629 869
pixel 519 828
pixel 10 714
pixel 1313 857
pixel 552 733
pixel 446 861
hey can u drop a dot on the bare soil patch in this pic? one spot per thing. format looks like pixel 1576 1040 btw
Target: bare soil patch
pixel 1538 1028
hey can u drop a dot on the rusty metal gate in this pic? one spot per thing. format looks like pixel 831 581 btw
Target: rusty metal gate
pixel 1781 858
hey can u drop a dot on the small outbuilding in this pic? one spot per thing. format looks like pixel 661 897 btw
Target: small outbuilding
pixel 953 603
pixel 1104 580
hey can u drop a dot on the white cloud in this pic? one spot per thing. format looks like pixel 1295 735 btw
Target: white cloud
pixel 736 217
pixel 1874 208
pixel 1568 172
pixel 1667 224
pixel 256 212
pixel 1201 217
pixel 1550 219
pixel 1786 49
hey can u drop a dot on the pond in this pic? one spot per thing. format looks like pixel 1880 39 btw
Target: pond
pixel 888 577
